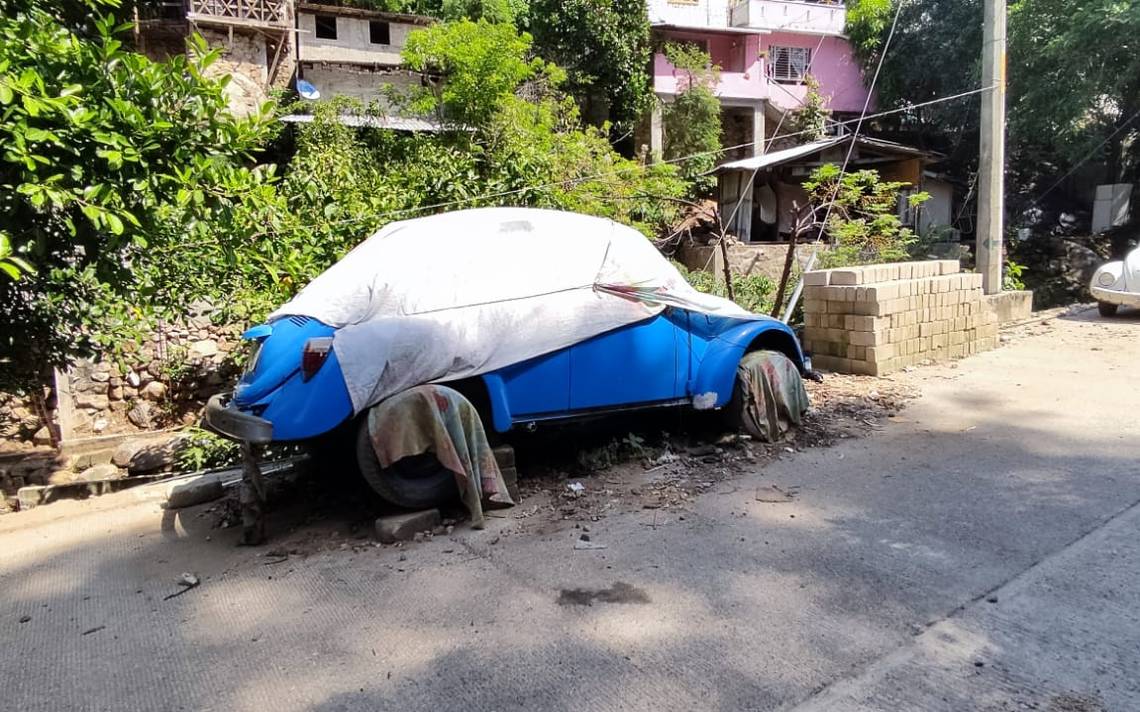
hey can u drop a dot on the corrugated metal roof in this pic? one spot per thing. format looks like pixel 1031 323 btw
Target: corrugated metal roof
pixel 395 123
pixel 787 155
pixel 775 158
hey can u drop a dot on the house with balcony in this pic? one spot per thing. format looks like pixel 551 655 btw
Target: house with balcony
pixel 765 49
pixel 269 44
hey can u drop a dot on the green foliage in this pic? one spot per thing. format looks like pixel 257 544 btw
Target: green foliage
pixel 203 450
pixel 810 119
pixel 605 47
pixel 692 119
pixel 1074 80
pixel 935 52
pixel 495 11
pixel 752 292
pixel 863 226
pixel 1072 73
pixel 107 157
pixel 484 63
pixel 1011 279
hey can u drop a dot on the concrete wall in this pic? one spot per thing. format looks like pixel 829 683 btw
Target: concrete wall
pixel 881 318
pixel 352 44
pixel 833 64
pixel 936 212
pixel 689 13
pixel 356 81
pixel 756 259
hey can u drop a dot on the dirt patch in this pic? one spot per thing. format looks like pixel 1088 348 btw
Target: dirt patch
pixel 620 592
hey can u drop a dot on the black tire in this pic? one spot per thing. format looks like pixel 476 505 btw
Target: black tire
pixel 417 482
pixel 1106 309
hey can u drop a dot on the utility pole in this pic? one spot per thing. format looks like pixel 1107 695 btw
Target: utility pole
pixel 991 161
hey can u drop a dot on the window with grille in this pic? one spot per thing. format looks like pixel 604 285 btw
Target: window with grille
pixel 788 64
pixel 379 33
pixel 326 27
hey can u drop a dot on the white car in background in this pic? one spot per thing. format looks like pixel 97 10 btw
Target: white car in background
pixel 1117 284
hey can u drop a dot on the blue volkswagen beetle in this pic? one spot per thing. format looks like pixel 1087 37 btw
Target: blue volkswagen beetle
pixel 295 388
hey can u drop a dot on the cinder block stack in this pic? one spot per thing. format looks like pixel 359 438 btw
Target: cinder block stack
pixel 881 318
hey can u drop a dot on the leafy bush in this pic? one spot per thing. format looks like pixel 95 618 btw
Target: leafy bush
pixel 1011 278
pixel 202 450
pixel 863 226
pixel 692 119
pixel 756 293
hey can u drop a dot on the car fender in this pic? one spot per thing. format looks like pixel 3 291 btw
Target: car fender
pixel 1110 276
pixel 716 374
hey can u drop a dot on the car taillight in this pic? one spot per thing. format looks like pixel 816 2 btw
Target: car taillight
pixel 314 355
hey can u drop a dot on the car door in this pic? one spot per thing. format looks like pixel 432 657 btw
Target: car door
pixel 632 365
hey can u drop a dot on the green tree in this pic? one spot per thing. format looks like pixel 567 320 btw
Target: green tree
pixel 810 119
pixel 863 224
pixel 103 150
pixel 692 119
pixel 1074 81
pixel 604 45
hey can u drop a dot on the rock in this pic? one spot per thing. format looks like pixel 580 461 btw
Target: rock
pixel 154 369
pixel 402 527
pixel 133 379
pixel 119 406
pixel 92 401
pixel 100 472
pixel 62 477
pixel 155 391
pixel 123 454
pixel 29 497
pixel 116 393
pixel 139 414
pixel 99 425
pixel 204 348
pixel 115 381
pixel 154 457
pixel 42 436
pixel 101 376
pixel 187 494
pixel 130 392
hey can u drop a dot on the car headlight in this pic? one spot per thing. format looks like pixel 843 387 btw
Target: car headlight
pixel 1106 279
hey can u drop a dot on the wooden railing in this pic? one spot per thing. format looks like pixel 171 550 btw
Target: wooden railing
pixel 253 12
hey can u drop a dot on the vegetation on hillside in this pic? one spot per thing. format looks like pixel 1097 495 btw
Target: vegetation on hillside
pixel 130 189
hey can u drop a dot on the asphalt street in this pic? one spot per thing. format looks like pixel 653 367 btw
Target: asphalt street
pixel 979 552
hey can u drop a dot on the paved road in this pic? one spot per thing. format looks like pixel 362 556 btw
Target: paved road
pixel 981 552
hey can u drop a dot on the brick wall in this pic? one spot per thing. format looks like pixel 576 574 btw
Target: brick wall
pixel 881 318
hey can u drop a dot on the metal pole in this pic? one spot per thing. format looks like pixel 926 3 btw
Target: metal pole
pixel 991 160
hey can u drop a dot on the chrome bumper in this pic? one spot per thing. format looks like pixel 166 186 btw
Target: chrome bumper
pixel 224 419
pixel 1111 296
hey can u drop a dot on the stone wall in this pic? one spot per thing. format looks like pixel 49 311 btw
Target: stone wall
pixel 757 258
pixel 881 318
pixel 161 381
pixel 246 60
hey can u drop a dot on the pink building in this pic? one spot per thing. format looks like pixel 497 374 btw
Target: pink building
pixel 764 49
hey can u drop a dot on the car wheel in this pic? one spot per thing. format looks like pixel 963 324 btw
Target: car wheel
pixel 1106 309
pixel 417 482
pixel 736 414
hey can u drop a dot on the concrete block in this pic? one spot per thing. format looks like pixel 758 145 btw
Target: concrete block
pixel 815 306
pixel 188 494
pixel 29 497
pixel 867 338
pixel 948 267
pixel 865 368
pixel 814 293
pixel 856 353
pixel 817 278
pixel 1009 306
pixel 854 322
pixel 880 353
pixel 849 276
pixel 402 527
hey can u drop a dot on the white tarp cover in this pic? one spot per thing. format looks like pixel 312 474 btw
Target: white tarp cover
pixel 464 293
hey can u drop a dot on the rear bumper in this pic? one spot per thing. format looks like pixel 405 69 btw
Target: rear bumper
pixel 1111 296
pixel 225 419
